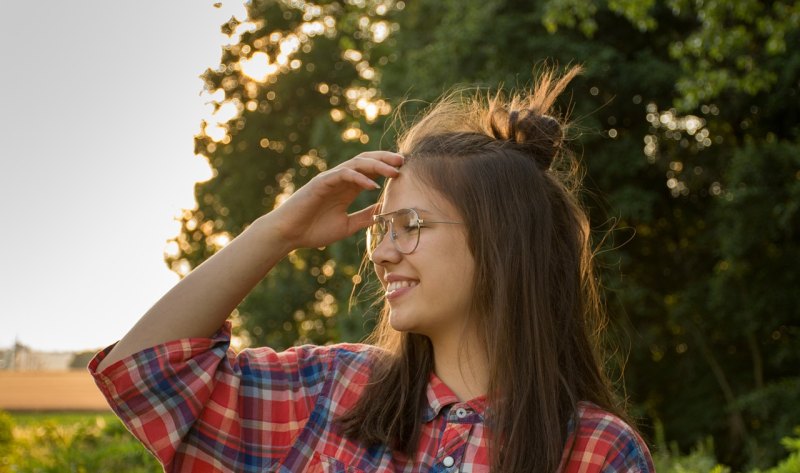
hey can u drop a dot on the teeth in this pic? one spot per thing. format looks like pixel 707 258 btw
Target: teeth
pixel 393 286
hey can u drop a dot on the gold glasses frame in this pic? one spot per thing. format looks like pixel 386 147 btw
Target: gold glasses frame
pixel 401 239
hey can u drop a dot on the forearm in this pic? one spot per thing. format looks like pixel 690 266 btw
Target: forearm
pixel 199 304
pixel 316 215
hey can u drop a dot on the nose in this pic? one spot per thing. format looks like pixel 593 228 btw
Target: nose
pixel 385 252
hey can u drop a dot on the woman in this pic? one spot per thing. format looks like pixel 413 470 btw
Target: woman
pixel 482 359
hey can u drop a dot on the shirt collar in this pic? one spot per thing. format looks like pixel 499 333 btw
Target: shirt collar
pixel 440 396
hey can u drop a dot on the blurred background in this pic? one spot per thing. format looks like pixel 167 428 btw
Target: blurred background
pixel 686 120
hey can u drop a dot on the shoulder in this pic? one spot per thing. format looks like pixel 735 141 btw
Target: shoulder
pixel 602 442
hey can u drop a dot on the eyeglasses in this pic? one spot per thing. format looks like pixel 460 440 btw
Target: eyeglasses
pixel 403 227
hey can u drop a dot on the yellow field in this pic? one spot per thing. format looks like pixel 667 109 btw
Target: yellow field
pixel 49 390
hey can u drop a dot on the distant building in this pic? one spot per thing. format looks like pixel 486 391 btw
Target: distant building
pixel 23 358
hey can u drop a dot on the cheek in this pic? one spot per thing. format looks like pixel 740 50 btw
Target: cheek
pixel 460 271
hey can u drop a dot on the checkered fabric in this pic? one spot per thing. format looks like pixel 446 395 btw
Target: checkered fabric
pixel 200 407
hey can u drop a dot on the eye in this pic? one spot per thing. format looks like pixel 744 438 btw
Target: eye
pixel 409 223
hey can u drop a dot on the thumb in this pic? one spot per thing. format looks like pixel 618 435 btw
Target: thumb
pixel 362 218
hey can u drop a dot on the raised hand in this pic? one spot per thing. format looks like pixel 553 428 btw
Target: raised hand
pixel 316 215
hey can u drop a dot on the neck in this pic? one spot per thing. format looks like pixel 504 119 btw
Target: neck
pixel 461 362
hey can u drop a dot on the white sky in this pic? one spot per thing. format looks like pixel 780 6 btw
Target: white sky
pixel 100 104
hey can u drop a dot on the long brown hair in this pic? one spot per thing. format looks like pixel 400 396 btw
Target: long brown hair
pixel 500 161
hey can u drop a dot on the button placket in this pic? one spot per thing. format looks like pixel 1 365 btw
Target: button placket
pixel 451 462
pixel 454 442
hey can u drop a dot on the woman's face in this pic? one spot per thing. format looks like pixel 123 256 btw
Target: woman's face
pixel 430 290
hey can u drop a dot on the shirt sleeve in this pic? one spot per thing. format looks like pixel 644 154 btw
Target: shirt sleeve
pixel 195 398
pixel 604 443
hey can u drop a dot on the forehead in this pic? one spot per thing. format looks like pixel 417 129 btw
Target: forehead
pixel 407 192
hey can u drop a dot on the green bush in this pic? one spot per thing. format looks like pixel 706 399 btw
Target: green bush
pixel 6 429
pixel 6 439
pixel 84 443
pixel 790 464
pixel 701 459
pixel 70 443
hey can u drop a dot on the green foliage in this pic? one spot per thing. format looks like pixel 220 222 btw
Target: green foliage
pixel 92 443
pixel 669 459
pixel 79 443
pixel 688 126
pixel 571 14
pixel 709 186
pixel 6 434
pixel 699 460
pixel 790 464
pixel 312 112
pixel 732 47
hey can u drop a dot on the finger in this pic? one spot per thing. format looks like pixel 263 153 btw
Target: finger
pixel 372 167
pixel 388 157
pixel 362 218
pixel 355 177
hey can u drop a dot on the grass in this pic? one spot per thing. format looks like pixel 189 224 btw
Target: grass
pixel 51 442
pixel 31 418
pixel 56 442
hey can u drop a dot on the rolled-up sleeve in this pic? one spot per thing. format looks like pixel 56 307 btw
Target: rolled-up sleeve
pixel 195 401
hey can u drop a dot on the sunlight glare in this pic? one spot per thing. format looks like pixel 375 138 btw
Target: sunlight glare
pixel 352 55
pixel 226 112
pixel 258 67
pixel 201 169
pixel 219 240
pixel 380 31
pixel 351 134
pixel 216 132
pixel 181 267
pixel 172 250
pixel 337 115
pixel 313 28
pixel 236 36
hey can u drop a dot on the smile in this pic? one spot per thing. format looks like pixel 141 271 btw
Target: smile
pixel 396 285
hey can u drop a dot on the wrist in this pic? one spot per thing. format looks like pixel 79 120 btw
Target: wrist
pixel 268 231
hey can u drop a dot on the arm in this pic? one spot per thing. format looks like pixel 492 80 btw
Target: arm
pixel 316 215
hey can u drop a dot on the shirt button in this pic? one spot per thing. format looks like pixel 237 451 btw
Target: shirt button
pixel 448 462
pixel 461 412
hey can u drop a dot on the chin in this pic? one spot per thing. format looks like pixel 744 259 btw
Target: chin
pixel 399 322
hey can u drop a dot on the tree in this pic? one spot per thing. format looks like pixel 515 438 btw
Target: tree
pixel 303 81
pixel 686 121
pixel 715 310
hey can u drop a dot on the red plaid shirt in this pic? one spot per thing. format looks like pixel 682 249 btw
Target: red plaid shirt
pixel 200 407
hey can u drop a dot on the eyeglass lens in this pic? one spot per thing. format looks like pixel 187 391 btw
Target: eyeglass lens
pixel 403 226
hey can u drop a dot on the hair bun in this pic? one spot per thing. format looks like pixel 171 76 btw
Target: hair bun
pixel 538 134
